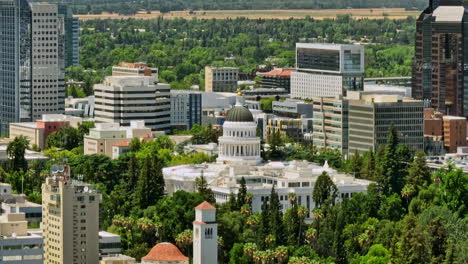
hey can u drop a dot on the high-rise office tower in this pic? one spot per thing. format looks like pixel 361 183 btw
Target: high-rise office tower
pixel 70 219
pixel 327 70
pixel 15 62
pixel 440 71
pixel 48 63
pixel 32 66
pixel 72 35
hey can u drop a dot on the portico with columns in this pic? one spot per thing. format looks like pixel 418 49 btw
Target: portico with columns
pixel 239 142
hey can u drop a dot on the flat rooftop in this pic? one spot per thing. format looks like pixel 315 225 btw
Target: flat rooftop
pixel 449 14
pixel 328 46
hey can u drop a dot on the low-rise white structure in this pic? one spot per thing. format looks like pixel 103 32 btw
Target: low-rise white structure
pixel 105 136
pixel 209 149
pixel 239 156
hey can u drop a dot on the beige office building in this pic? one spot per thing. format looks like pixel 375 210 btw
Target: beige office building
pixel 370 117
pixel 134 69
pixel 222 79
pixel 330 123
pixel 105 136
pixel 70 220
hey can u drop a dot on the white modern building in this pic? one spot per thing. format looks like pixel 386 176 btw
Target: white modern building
pixel 239 156
pixel 121 99
pixel 48 62
pixel 327 70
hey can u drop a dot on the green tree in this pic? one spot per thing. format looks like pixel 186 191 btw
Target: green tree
pixel 391 208
pixel 355 165
pixel 390 179
pixel 368 169
pixel 276 218
pixel 201 185
pixel 267 104
pixel 264 225
pixel 276 143
pixel 242 194
pixel 184 241
pixel 15 151
pixel 414 244
pixel 377 254
pixel 66 138
pixel 135 145
pixel 236 255
pixel 325 191
pixel 150 185
pixel 453 188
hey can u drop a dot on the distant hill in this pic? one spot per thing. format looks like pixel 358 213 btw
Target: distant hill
pixel 131 7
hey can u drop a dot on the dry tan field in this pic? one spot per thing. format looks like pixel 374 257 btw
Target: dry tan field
pixel 378 13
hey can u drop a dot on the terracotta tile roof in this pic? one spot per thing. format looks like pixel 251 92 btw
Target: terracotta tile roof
pixel 147 137
pixel 121 144
pixel 199 223
pixel 205 206
pixel 278 72
pixel 165 252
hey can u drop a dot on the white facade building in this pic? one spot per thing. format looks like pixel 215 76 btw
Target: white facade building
pixel 327 70
pixel 121 99
pixel 240 157
pixel 48 62
pixel 205 235
pixel 306 85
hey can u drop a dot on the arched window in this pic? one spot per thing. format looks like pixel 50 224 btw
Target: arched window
pixel 209 233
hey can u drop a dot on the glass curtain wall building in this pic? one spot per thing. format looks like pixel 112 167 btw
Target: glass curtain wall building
pixel 15 62
pixel 72 35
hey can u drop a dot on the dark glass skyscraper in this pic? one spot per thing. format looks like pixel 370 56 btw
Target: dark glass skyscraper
pixel 72 35
pixel 440 71
pixel 15 62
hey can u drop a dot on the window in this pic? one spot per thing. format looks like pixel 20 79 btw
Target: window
pixel 209 233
